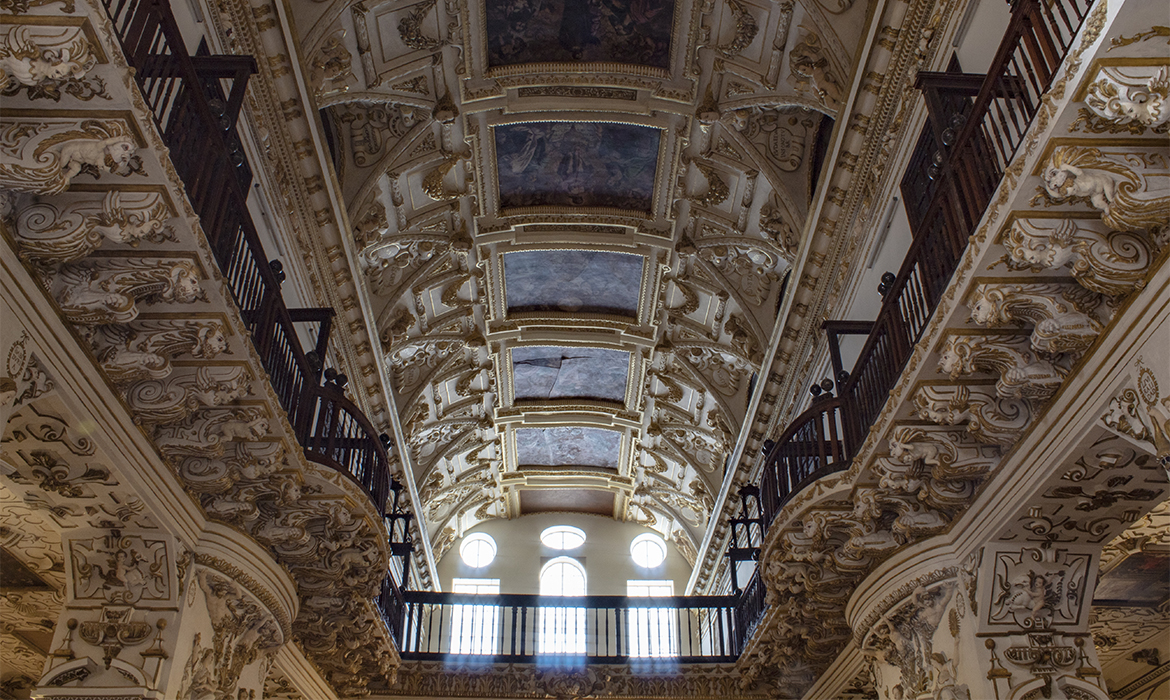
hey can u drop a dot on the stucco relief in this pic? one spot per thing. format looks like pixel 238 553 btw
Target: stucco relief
pixel 1023 372
pixel 1132 95
pixel 109 290
pixel 1103 261
pixel 1127 188
pixel 121 569
pixel 157 402
pixel 243 630
pixel 45 60
pixel 989 418
pixel 1065 318
pixel 43 157
pixel 1037 589
pixel 51 233
pixel 145 350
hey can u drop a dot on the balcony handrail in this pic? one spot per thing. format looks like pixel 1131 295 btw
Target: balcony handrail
pixel 808 458
pixel 329 427
pixel 596 628
pixel 534 600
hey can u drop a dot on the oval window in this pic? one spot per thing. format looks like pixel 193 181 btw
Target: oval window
pixel 478 550
pixel 562 537
pixel 648 550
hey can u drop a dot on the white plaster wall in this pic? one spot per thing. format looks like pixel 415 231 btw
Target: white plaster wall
pixel 520 555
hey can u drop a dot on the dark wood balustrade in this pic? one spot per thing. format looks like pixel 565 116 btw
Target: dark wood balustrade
pixel 975 126
pixel 594 629
pixel 197 118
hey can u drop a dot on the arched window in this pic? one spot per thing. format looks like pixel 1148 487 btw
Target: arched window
pixel 562 629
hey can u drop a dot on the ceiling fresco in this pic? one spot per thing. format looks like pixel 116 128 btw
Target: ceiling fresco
pixel 573 281
pixel 555 31
pixel 542 373
pixel 573 222
pixel 576 165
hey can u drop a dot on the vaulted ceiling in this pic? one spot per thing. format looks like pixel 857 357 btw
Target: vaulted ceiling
pixel 574 221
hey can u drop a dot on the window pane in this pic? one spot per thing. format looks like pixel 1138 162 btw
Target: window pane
pixel 652 630
pixel 562 630
pixel 562 537
pixel 474 628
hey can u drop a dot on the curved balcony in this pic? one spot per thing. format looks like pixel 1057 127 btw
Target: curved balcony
pixel 813 446
pixel 196 119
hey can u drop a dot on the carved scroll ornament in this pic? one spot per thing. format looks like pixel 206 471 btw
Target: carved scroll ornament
pixel 49 234
pixel 44 159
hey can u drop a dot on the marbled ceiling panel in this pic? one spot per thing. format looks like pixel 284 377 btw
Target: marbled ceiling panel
pixel 573 281
pixel 1139 580
pixel 568 446
pixel 542 372
pixel 576 164
pixel 557 31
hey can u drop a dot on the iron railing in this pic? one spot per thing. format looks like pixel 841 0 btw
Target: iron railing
pixel 196 118
pixel 976 125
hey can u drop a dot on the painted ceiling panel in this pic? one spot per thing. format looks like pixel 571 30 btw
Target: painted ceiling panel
pixel 556 31
pixel 561 373
pixel 568 446
pixel 576 164
pixel 573 281
pixel 566 500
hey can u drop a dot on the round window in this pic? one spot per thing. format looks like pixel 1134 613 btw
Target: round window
pixel 478 550
pixel 648 550
pixel 562 537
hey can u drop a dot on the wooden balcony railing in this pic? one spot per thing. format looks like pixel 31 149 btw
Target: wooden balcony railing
pixel 196 117
pixel 974 146
pixel 811 447
pixel 593 629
